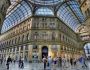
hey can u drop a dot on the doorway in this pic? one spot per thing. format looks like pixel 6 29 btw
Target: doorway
pixel 44 51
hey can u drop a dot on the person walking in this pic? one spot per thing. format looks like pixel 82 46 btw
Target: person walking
pixel 82 61
pixel 45 62
pixel 71 61
pixel 14 61
pixel 75 62
pixel 55 63
pixel 22 63
pixel 49 60
pixel 8 62
pixel 1 60
pixel 85 62
pixel 19 62
pixel 60 61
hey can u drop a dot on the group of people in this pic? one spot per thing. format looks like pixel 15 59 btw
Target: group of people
pixel 10 60
pixel 62 62
pixel 48 62
pixel 21 63
pixel 82 61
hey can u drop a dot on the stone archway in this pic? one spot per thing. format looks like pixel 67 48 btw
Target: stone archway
pixel 44 51
pixel 87 50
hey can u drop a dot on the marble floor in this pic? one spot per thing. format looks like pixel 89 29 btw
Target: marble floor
pixel 39 66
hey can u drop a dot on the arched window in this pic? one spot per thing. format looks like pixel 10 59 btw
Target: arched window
pixel 23 38
pixel 12 41
pixel 27 36
pixel 15 40
pixel 18 39
pixel 9 42
pixel 35 35
pixel 44 11
pixel 87 49
pixel 53 35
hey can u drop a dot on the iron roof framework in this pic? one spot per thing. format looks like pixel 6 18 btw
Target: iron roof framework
pixel 21 12
pixel 68 11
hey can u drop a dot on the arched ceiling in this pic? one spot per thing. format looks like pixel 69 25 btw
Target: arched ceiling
pixel 21 12
pixel 13 5
pixel 4 4
pixel 66 10
pixel 44 11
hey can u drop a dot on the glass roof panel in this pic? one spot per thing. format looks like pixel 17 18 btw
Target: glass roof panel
pixel 17 16
pixel 76 9
pixel 21 12
pixel 44 11
pixel 13 4
pixel 27 8
pixel 13 17
pixel 10 18
pixel 65 14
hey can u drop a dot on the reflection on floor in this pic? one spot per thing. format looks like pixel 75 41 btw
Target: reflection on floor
pixel 39 66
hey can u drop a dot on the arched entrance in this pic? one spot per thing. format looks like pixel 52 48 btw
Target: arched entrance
pixel 44 51
pixel 87 50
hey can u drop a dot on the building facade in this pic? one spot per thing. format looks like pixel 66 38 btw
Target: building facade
pixel 40 36
pixel 43 33
pixel 85 30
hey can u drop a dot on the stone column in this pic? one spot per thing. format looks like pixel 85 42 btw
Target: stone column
pixel 6 54
pixel 30 52
pixel 15 52
pixel 49 50
pixel 19 52
pixel 40 52
pixel 58 50
pixel 24 52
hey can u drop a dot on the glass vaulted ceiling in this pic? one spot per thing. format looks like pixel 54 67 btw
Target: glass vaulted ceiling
pixel 13 4
pixel 69 12
pixel 74 6
pixel 21 12
pixel 44 11
pixel 65 14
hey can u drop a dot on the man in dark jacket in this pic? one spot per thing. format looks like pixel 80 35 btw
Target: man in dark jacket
pixel 8 61
pixel 71 61
pixel 1 60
